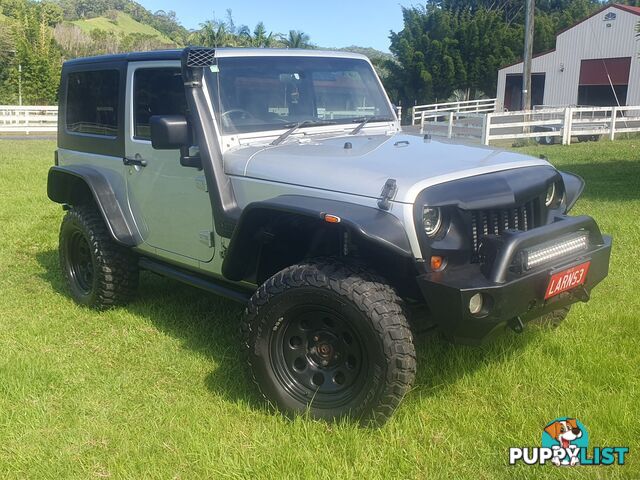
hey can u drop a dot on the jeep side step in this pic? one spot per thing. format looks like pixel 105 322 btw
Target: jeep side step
pixel 195 280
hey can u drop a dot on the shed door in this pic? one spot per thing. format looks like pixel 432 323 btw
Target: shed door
pixel 597 77
pixel 513 91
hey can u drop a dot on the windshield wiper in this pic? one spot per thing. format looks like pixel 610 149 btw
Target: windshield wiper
pixel 297 125
pixel 364 120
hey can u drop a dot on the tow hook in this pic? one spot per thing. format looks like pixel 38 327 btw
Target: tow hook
pixel 516 324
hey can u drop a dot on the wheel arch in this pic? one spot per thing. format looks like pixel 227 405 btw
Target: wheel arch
pixel 295 227
pixel 82 184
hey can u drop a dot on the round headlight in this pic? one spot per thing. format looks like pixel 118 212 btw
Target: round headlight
pixel 431 220
pixel 551 194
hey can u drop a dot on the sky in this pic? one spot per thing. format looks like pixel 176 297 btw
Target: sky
pixel 329 23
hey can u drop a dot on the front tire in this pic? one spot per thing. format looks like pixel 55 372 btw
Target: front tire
pixel 98 272
pixel 331 339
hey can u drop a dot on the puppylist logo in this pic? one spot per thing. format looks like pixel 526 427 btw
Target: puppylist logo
pixel 565 442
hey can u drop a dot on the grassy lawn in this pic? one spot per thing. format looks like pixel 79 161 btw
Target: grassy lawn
pixel 159 388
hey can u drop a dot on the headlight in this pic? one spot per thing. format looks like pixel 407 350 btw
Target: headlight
pixel 431 220
pixel 551 194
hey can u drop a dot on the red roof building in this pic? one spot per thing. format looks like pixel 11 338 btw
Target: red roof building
pixel 595 62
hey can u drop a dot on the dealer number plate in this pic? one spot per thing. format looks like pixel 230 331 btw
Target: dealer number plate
pixel 567 279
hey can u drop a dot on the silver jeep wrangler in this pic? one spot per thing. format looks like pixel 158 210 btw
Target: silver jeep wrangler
pixel 280 179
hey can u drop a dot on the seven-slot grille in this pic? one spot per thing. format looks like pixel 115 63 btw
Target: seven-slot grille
pixel 496 221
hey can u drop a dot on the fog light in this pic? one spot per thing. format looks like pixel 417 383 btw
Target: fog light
pixel 476 303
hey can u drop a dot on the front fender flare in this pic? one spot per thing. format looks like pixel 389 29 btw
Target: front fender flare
pixel 77 184
pixel 573 187
pixel 369 224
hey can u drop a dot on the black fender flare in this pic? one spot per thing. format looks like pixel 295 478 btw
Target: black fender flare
pixel 368 223
pixel 77 184
pixel 573 187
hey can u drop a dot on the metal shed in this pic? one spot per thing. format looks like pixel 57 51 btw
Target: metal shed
pixel 595 62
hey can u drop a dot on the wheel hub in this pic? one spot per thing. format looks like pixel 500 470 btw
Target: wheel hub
pixel 324 349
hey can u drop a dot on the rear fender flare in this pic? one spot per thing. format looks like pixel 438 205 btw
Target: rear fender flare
pixel 78 184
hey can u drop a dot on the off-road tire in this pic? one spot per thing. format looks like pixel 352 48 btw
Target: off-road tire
pixel 552 319
pixel 374 321
pixel 99 273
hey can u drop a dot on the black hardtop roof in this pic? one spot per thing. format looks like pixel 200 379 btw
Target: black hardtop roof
pixel 127 57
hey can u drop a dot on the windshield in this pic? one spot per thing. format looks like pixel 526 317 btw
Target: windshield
pixel 269 93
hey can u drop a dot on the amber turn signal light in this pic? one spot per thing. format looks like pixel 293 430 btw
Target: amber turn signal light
pixel 331 218
pixel 436 262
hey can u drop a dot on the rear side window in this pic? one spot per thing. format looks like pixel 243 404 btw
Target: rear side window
pixel 92 102
pixel 156 91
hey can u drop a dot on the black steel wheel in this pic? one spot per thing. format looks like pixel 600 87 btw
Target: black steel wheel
pixel 99 272
pixel 331 339
pixel 80 263
pixel 318 354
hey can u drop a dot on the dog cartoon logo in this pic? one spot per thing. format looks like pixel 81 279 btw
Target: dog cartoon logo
pixel 566 436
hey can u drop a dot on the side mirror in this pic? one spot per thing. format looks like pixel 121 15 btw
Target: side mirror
pixel 169 132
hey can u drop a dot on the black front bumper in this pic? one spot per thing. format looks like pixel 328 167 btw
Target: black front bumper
pixel 511 296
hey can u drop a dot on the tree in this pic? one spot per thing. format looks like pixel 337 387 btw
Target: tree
pixel 36 54
pixel 212 34
pixel 297 39
pixel 461 44
pixel 260 37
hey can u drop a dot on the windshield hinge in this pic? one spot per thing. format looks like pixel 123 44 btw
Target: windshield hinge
pixel 388 192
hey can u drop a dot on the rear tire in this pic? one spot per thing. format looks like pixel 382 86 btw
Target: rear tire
pixel 99 272
pixel 332 339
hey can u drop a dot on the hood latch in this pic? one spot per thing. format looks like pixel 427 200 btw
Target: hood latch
pixel 388 192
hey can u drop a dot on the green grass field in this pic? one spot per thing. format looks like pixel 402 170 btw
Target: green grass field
pixel 124 24
pixel 159 389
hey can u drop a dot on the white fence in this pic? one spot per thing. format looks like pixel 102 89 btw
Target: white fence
pixel 14 119
pixel 548 125
pixel 419 112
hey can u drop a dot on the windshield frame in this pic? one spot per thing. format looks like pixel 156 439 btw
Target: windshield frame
pixel 338 125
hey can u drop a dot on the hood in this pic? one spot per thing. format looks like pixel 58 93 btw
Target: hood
pixel 361 164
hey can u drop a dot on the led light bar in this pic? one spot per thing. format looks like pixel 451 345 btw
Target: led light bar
pixel 554 249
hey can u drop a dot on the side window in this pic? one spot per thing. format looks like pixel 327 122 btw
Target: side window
pixel 92 102
pixel 156 91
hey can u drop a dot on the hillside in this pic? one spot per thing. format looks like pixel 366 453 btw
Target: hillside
pixel 123 24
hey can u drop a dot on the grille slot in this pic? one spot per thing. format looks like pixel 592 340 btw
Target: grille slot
pixel 496 221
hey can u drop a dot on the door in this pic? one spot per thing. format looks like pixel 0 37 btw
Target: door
pixel 169 202
pixel 604 82
pixel 513 91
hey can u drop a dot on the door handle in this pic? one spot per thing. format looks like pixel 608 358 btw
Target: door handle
pixel 137 161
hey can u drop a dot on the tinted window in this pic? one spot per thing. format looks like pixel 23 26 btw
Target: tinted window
pixel 92 102
pixel 157 91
